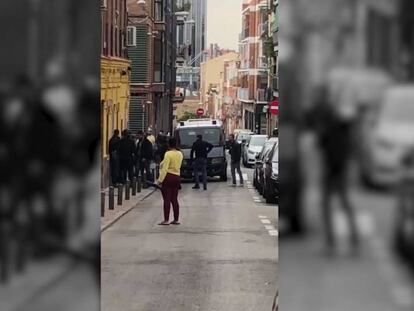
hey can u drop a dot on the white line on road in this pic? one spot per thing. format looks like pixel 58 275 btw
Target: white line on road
pixel 270 227
pixel 265 221
pixel 262 217
pixel 273 232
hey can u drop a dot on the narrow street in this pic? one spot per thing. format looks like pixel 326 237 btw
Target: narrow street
pixel 223 256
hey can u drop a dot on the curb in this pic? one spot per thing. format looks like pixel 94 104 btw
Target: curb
pixel 123 213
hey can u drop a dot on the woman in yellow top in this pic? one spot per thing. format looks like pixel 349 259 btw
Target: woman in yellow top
pixel 170 180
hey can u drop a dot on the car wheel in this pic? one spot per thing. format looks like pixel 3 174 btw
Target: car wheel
pixel 223 176
pixel 269 194
pixel 254 179
pixel 260 188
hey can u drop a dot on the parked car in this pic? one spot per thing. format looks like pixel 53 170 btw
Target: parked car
pixel 266 173
pixel 390 138
pixel 243 138
pixel 404 225
pixel 258 166
pixel 252 149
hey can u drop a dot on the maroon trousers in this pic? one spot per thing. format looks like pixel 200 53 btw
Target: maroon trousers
pixel 169 190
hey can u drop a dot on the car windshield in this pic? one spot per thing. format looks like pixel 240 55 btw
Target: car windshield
pixel 399 109
pixel 257 141
pixel 188 136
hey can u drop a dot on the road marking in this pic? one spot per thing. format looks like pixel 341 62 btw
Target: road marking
pixel 262 217
pixel 273 232
pixel 265 221
pixel 270 227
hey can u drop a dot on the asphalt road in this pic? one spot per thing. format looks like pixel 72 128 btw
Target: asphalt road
pixel 375 280
pixel 223 256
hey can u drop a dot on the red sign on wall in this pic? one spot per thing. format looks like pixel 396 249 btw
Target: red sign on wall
pixel 200 112
pixel 274 107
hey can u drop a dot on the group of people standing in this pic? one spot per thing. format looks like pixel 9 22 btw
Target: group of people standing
pixel 132 155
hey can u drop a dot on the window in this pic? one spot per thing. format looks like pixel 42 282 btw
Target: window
pixel 131 36
pixel 158 9
pixel 158 60
pixel 188 136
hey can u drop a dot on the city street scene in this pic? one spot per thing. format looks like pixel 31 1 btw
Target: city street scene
pixel 190 152
pixel 346 155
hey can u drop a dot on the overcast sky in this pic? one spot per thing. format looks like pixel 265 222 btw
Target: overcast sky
pixel 224 23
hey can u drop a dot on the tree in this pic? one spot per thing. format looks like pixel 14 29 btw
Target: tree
pixel 190 115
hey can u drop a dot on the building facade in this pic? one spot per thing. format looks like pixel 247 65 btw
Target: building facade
pixel 152 50
pixel 254 68
pixel 115 75
pixel 210 87
pixel 197 31
pixel 231 113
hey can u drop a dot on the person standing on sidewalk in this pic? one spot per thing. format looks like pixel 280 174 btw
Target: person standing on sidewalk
pixel 235 154
pixel 113 151
pixel 126 156
pixel 201 149
pixel 146 156
pixel 170 182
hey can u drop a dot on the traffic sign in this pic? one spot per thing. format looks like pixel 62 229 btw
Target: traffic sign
pixel 200 112
pixel 274 107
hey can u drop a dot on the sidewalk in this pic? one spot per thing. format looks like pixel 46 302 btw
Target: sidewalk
pixel 127 205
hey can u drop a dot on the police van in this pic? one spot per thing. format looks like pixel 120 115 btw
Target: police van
pixel 212 131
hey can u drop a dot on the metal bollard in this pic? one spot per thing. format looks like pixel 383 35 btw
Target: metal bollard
pixel 139 184
pixel 111 198
pixel 153 174
pixel 127 190
pixel 119 194
pixel 102 203
pixel 134 186
pixel 157 172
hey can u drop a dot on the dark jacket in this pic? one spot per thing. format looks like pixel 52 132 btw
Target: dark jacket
pixel 235 152
pixel 161 147
pixel 126 149
pixel 113 146
pixel 145 150
pixel 201 149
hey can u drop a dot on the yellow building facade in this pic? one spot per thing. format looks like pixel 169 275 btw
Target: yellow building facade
pixel 115 97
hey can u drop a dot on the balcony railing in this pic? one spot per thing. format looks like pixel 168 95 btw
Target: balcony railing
pixel 243 94
pixel 263 29
pixel 261 95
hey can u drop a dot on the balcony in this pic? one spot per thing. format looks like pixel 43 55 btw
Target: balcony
pixel 263 63
pixel 263 29
pixel 261 95
pixel 244 95
pixel 245 34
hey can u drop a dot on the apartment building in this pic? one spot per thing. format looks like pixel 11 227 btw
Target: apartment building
pixel 151 40
pixel 254 69
pixel 115 75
